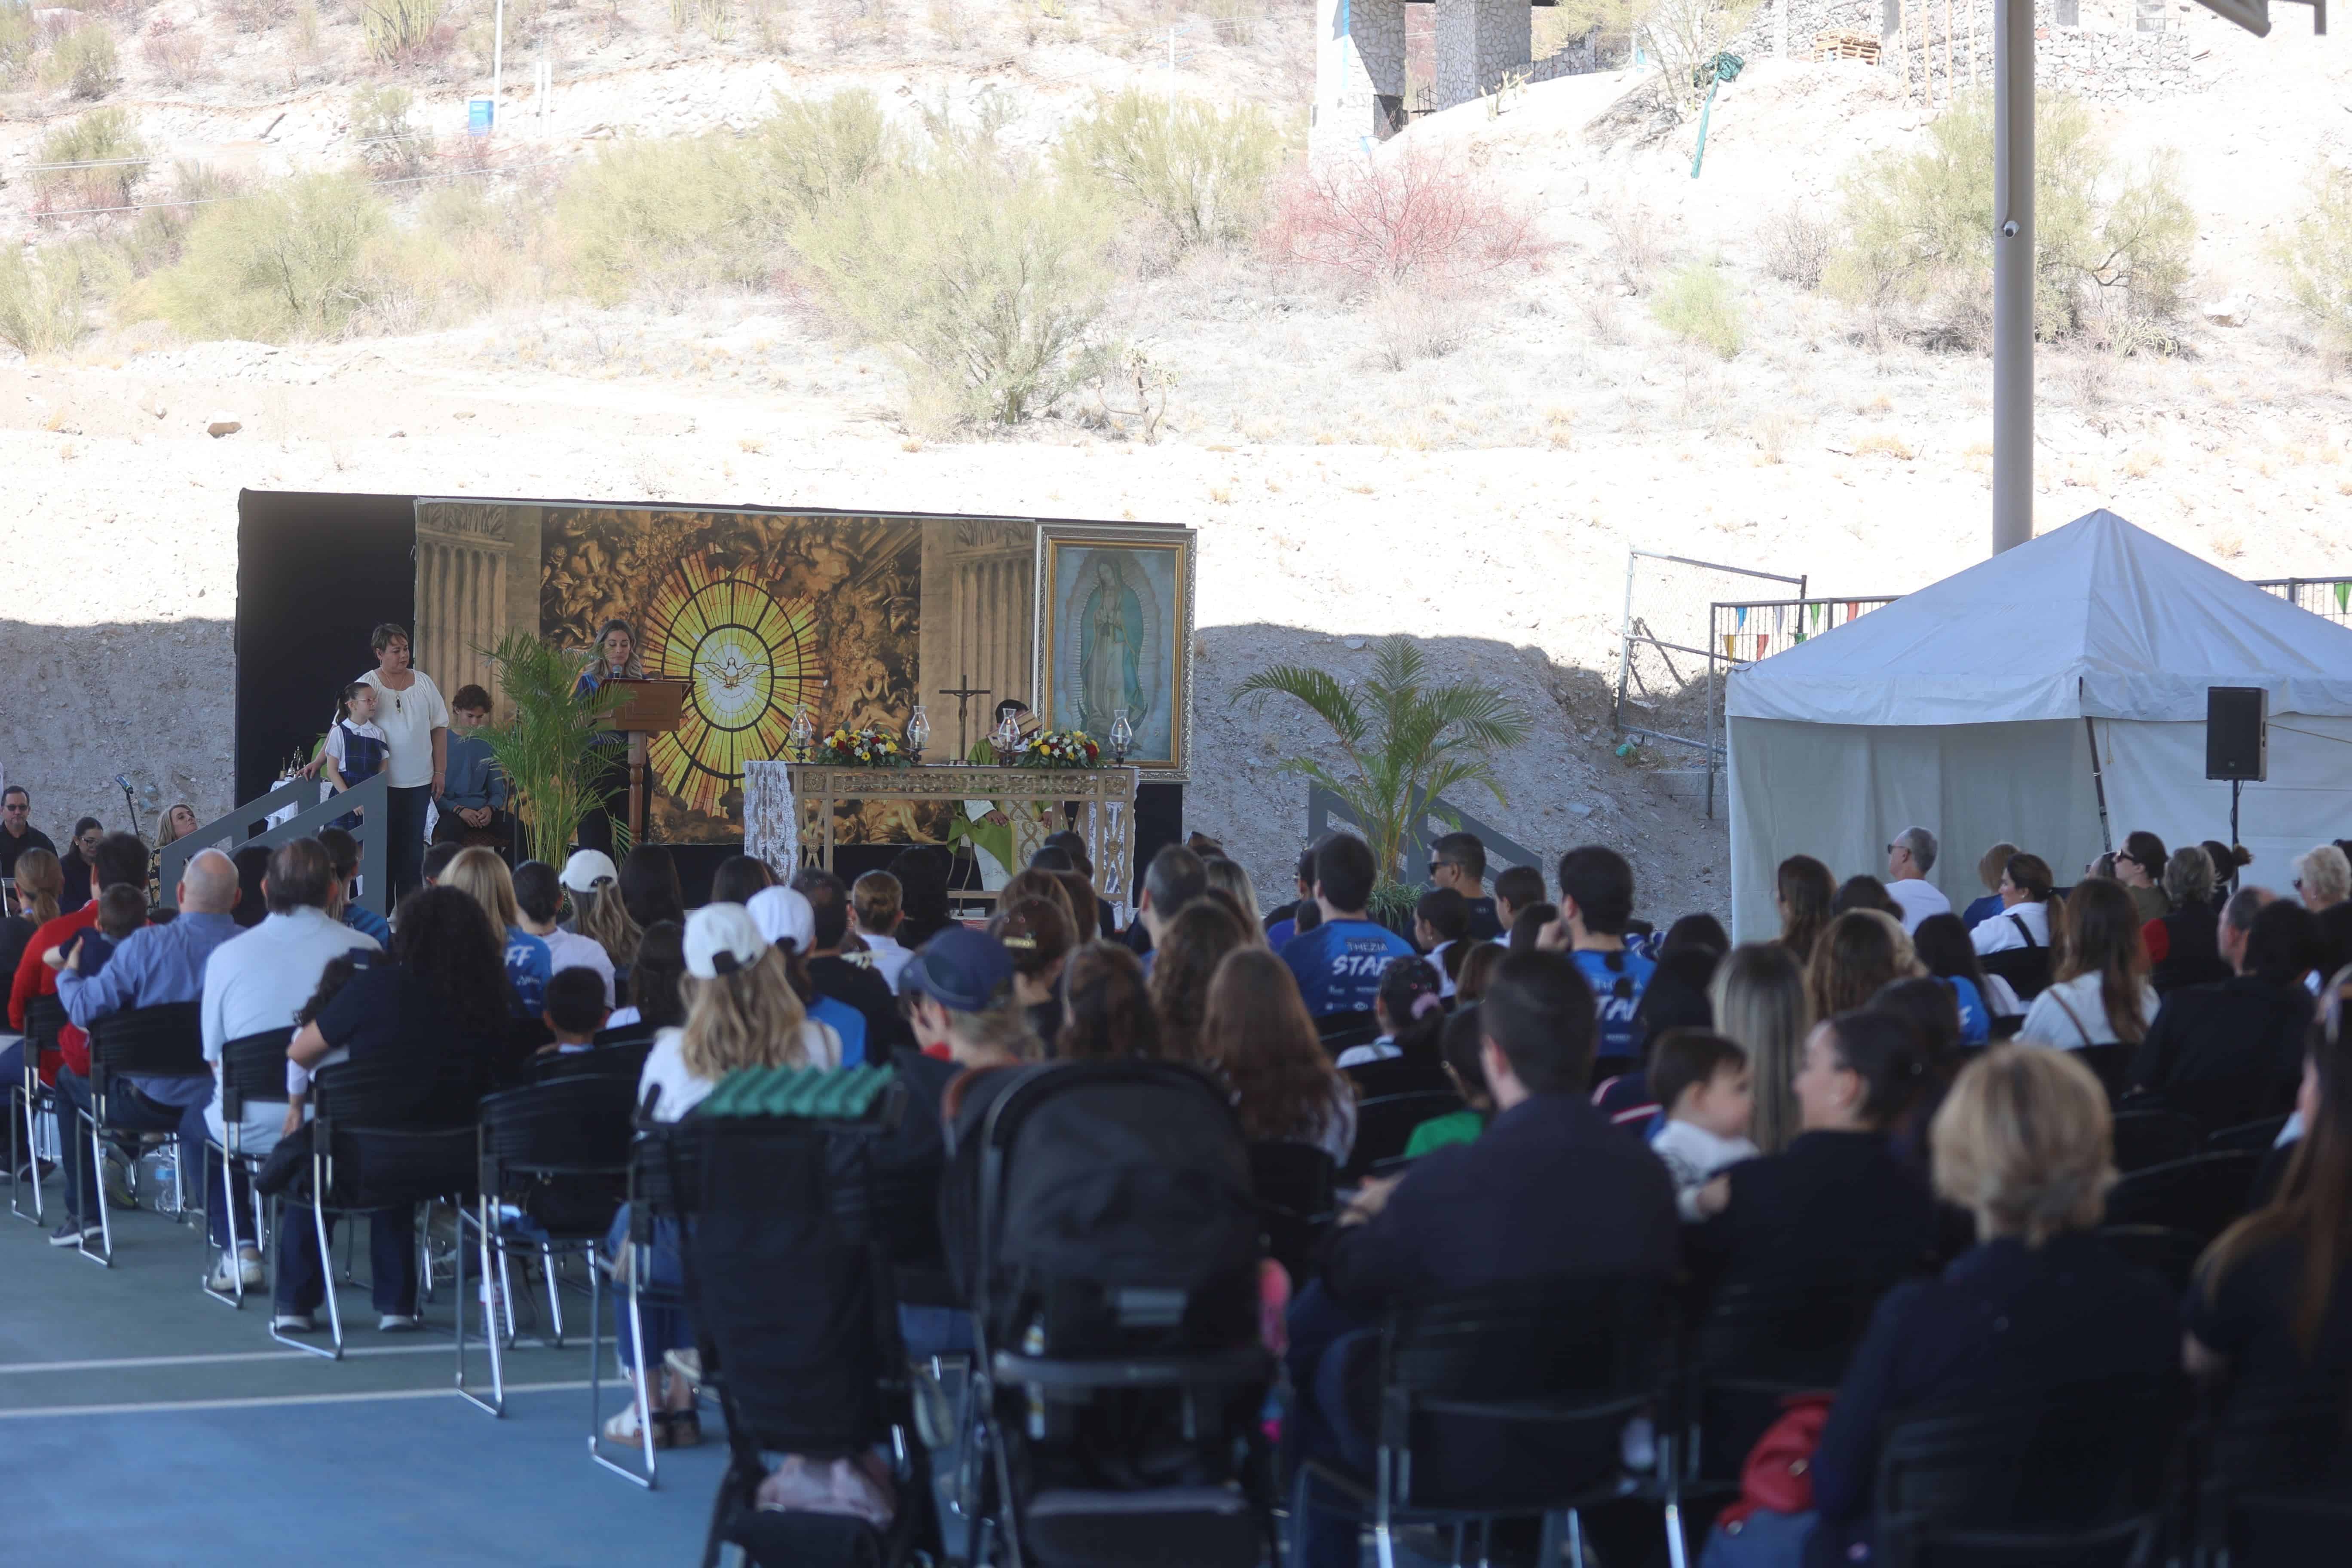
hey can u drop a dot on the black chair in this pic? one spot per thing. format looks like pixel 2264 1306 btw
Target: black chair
pixel 1396 1075
pixel 1761 1340
pixel 2153 1137
pixel 363 1160
pixel 1507 1403
pixel 559 1152
pixel 2277 1487
pixel 624 1061
pixel 2072 1480
pixel 2112 1064
pixel 1338 1031
pixel 1384 1126
pixel 161 1041
pixel 2258 1136
pixel 2170 1254
pixel 43 1017
pixel 2027 970
pixel 253 1072
pixel 1294 1185
pixel 664 1186
pixel 627 1035
pixel 2201 1195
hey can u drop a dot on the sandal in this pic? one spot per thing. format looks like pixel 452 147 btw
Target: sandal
pixel 672 1429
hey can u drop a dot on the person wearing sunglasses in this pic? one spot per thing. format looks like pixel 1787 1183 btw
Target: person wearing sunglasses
pixel 17 833
pixel 2139 866
pixel 1458 861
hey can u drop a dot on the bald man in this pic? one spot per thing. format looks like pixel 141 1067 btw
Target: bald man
pixel 153 965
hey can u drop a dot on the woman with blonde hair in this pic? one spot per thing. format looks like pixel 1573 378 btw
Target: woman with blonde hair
pixel 2101 993
pixel 1861 954
pixel 2024 1143
pixel 599 912
pixel 481 875
pixel 1231 878
pixel 1758 999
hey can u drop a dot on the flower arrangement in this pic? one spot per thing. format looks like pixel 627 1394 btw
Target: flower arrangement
pixel 866 748
pixel 1057 749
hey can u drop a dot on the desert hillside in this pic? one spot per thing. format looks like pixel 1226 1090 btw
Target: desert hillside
pixel 1466 456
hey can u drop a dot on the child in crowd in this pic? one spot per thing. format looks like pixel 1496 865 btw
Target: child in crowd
pixel 1460 1042
pixel 1409 1012
pixel 873 915
pixel 122 909
pixel 1702 1081
pixel 573 1010
pixel 355 747
pixel 1441 927
pixel 1516 888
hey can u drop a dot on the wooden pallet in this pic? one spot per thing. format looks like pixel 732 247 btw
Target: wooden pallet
pixel 1843 45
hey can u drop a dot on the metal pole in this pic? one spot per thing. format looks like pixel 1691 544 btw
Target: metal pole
pixel 2013 276
pixel 1625 640
pixel 498 58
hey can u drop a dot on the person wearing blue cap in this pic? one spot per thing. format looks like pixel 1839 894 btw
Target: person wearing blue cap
pixel 961 1001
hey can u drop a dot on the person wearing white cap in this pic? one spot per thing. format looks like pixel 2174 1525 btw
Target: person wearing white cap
pixel 786 918
pixel 597 911
pixel 741 1012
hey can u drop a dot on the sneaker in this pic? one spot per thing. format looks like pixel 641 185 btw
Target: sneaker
pixel 292 1323
pixel 114 1177
pixel 73 1232
pixel 395 1323
pixel 248 1268
pixel 686 1362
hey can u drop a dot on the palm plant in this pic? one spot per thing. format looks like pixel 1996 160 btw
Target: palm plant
pixel 1406 743
pixel 553 776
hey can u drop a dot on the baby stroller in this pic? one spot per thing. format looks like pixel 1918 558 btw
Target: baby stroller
pixel 1115 1299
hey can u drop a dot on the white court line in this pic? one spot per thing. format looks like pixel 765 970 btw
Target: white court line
pixel 221 1358
pixel 165 1405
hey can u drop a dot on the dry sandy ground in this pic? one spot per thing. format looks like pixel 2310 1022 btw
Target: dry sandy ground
pixel 1483 500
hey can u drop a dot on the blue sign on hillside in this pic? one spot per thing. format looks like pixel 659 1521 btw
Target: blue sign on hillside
pixel 478 114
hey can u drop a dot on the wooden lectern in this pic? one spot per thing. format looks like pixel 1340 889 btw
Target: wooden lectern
pixel 648 708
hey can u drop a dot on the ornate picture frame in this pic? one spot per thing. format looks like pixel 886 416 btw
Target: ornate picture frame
pixel 1114 619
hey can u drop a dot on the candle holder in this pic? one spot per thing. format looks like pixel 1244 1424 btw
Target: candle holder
pixel 1006 740
pixel 803 733
pixel 1122 737
pixel 919 733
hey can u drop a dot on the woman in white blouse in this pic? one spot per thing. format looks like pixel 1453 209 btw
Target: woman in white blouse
pixel 2101 995
pixel 414 720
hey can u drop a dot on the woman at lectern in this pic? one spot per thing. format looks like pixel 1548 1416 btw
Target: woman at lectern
pixel 615 657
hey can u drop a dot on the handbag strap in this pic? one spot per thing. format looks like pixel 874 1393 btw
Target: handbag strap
pixel 2024 931
pixel 2071 1016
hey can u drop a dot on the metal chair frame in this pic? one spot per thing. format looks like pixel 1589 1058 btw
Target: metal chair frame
pixel 651 1190
pixel 147 1059
pixel 44 1016
pixel 235 1091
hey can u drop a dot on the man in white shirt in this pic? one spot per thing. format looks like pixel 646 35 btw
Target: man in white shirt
pixel 2025 918
pixel 1908 860
pixel 539 898
pixel 255 983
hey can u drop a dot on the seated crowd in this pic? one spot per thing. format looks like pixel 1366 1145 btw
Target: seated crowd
pixel 1918 1106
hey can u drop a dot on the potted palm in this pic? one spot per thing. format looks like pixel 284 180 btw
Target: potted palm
pixel 1406 743
pixel 553 776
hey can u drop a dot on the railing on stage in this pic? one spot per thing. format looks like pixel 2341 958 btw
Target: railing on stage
pixel 234 831
pixel 789 809
pixel 1324 807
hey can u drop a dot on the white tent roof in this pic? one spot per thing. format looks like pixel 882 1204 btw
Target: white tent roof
pixel 2097 617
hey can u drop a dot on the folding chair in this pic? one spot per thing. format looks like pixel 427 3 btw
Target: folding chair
pixel 2072 1480
pixel 253 1072
pixel 2258 1135
pixel 2170 1254
pixel 1541 1375
pixel 2201 1195
pixel 1384 1126
pixel 1293 1184
pixel 559 1152
pixel 2145 1137
pixel 1397 1075
pixel 2276 1491
pixel 2027 970
pixel 2112 1065
pixel 624 1061
pixel 163 1041
pixel 1338 1031
pixel 661 1191
pixel 43 1017
pixel 359 1165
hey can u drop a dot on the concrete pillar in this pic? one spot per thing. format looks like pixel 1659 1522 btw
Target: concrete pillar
pixel 1477 41
pixel 1359 74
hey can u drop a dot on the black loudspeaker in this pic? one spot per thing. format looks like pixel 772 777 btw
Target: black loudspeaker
pixel 2237 733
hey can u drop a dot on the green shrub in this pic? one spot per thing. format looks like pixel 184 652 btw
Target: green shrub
pixel 400 32
pixel 18 37
pixel 390 146
pixel 288 262
pixel 810 152
pixel 1198 170
pixel 1917 227
pixel 155 236
pixel 667 217
pixel 2317 256
pixel 102 137
pixel 42 297
pixel 986 276
pixel 83 62
pixel 1697 305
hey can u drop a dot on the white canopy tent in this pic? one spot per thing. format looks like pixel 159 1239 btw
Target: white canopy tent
pixel 1998 703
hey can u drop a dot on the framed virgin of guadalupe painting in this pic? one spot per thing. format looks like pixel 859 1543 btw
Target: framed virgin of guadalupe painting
pixel 1115 636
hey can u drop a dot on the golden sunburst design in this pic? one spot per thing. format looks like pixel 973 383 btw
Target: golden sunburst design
pixel 747 661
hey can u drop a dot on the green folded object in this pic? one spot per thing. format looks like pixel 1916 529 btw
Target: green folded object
pixel 807 1094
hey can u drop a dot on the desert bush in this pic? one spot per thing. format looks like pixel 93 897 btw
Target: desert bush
pixel 1697 305
pixel 1635 237
pixel 19 39
pixel 1197 171
pixel 812 151
pixel 1235 21
pixel 1418 215
pixel 2317 257
pixel 108 149
pixel 1797 245
pixel 174 53
pixel 257 16
pixel 84 63
pixel 668 218
pixel 403 32
pixel 389 145
pixel 1681 36
pixel 985 273
pixel 771 25
pixel 1412 322
pixel 155 236
pixel 286 261
pixel 42 298
pixel 1917 227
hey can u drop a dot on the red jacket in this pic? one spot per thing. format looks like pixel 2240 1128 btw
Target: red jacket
pixel 35 979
